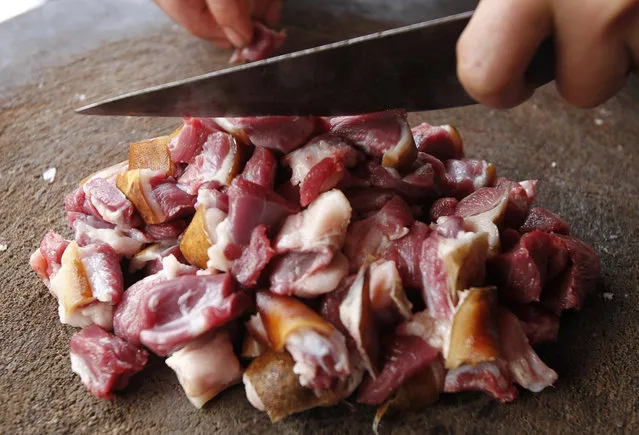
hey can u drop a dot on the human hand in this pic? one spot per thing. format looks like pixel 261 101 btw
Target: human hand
pixel 597 45
pixel 226 23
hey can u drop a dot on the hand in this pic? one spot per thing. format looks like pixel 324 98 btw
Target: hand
pixel 597 44
pixel 225 23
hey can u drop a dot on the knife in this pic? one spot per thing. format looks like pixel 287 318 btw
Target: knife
pixel 411 67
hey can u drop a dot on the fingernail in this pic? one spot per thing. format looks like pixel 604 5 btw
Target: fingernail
pixel 235 37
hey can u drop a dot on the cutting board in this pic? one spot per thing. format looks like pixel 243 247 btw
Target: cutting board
pixel 70 52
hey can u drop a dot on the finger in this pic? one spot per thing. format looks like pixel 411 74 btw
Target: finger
pixel 273 12
pixel 593 61
pixel 495 49
pixel 194 16
pixel 234 18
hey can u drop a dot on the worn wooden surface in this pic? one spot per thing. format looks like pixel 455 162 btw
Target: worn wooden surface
pixel 72 51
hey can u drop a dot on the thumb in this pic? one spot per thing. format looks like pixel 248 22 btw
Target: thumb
pixel 234 18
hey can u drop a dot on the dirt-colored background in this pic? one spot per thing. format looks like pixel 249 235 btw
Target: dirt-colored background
pixel 72 51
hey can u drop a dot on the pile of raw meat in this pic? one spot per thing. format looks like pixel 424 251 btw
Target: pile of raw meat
pixel 313 259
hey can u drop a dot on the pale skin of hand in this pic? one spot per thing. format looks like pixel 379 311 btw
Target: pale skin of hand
pixel 225 23
pixel 597 45
pixel 597 42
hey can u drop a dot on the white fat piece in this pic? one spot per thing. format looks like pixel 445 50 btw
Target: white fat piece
pixel 324 222
pixel 205 367
pixel 100 313
pixel 217 259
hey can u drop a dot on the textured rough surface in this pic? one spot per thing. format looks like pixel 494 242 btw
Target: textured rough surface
pixel 586 161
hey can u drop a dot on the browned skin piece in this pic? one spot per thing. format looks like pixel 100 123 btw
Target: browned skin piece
pixel 271 374
pixel 74 286
pixel 357 317
pixel 474 336
pixel 152 154
pixel 284 315
pixel 420 390
pixel 129 184
pixel 195 241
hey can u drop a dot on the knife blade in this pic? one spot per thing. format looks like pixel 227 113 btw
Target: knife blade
pixel 411 67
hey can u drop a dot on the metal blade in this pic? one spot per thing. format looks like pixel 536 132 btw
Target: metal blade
pixel 411 67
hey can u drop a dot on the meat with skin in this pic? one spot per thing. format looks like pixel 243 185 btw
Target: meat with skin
pixel 219 160
pixel 260 168
pixel 524 365
pixel 357 317
pixel 463 177
pixel 265 42
pixel 165 311
pixel 369 236
pixel 443 142
pixel 319 228
pixel 387 297
pixel 521 195
pixel 125 241
pixel 474 336
pixel 87 285
pixel 205 367
pixel 382 135
pixel 319 350
pixel 150 258
pixel 271 385
pixel 449 265
pixel 102 199
pixel 47 259
pixel 254 258
pixel 210 196
pixel 491 377
pixel 156 197
pixel 541 219
pixel 418 184
pixel 250 205
pixel 483 211
pixel 187 141
pixel 320 165
pixel 404 356
pixel 307 275
pixel 152 154
pixel 277 133
pixel 302 160
pixel 104 362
